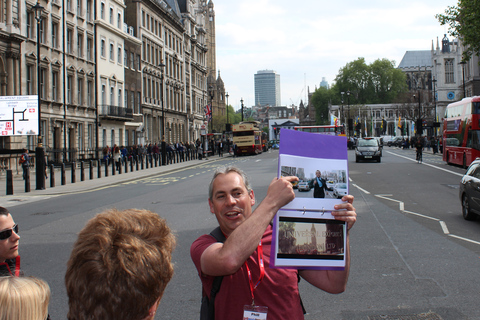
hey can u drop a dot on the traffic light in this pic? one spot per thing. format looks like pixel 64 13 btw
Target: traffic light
pixel 419 126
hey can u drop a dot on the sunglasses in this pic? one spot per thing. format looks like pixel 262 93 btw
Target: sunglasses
pixel 5 234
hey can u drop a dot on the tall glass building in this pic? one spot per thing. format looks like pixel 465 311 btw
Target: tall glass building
pixel 267 88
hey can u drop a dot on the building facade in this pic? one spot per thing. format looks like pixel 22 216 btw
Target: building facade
pixel 111 72
pixel 267 88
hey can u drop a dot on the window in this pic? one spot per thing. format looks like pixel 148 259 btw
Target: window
pixel 69 89
pixel 449 73
pixel 89 10
pixel 112 57
pixel 126 99
pixel 120 100
pixel 79 8
pixel 104 95
pixel 30 17
pixel 89 49
pixel 80 91
pixel 102 48
pixel 69 40
pixel 80 136
pixel 119 20
pixel 112 96
pixel 139 102
pixel 119 55
pixel 139 62
pixel 43 78
pixel 90 136
pixel 69 5
pixel 125 57
pixel 132 61
pixel 54 85
pixel 89 93
pixel 80 45
pixel 41 27
pixel 102 10
pixel 55 35
pixel 111 15
pixel 29 87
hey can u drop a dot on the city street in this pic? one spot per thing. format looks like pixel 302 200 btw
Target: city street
pixel 413 255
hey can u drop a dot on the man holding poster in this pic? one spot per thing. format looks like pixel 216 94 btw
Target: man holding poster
pixel 251 287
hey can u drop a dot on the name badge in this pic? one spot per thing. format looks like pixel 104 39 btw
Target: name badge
pixel 254 312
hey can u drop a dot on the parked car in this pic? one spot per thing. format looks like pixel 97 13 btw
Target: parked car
pixel 395 142
pixel 303 186
pixel 340 190
pixel 470 191
pixel 368 149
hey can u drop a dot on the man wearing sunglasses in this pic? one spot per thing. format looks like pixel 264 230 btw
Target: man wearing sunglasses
pixel 9 238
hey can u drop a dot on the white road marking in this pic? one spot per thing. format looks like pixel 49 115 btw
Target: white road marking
pixel 427 164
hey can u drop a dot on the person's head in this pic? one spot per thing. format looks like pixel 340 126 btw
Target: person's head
pixel 230 198
pixel 9 237
pixel 23 298
pixel 119 266
pixel 318 173
pixel 25 150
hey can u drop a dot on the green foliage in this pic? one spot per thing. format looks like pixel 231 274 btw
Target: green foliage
pixel 320 99
pixel 379 82
pixel 464 23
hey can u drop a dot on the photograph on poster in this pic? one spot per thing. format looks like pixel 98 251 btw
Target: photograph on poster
pixel 322 182
pixel 309 242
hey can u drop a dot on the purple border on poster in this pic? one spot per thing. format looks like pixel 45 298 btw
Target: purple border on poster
pixel 323 146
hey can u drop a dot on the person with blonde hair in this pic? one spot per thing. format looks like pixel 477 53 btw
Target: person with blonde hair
pixel 119 266
pixel 23 298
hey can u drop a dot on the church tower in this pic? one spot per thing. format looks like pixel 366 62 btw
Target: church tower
pixel 215 85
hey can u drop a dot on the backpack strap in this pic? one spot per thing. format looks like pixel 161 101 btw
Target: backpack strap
pixel 208 305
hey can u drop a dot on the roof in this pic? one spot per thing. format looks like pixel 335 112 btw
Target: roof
pixel 413 59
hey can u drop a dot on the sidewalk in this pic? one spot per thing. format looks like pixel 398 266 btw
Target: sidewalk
pixel 19 194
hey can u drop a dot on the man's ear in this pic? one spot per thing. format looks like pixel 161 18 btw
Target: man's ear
pixel 252 197
pixel 210 203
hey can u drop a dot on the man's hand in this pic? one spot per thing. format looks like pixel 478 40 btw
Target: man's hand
pixel 346 212
pixel 280 192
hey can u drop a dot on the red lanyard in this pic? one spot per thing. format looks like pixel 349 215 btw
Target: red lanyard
pixel 262 271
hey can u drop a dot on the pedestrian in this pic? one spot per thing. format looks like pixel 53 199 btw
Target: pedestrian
pixel 319 185
pixel 248 242
pixel 9 240
pixel 220 148
pixel 25 162
pixel 120 266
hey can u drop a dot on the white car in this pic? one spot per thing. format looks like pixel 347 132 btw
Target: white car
pixel 303 186
pixel 340 190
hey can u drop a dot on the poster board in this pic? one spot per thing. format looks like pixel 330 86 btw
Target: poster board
pixel 305 234
pixel 18 115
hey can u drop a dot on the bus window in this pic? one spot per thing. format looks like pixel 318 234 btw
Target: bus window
pixel 474 139
pixel 476 108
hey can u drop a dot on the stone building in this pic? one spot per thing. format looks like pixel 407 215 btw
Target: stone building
pixel 111 72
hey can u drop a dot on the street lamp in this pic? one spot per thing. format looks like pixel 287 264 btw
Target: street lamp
pixel 226 95
pixel 211 92
pixel 341 112
pixel 164 144
pixel 241 101
pixel 463 74
pixel 434 81
pixel 350 122
pixel 39 150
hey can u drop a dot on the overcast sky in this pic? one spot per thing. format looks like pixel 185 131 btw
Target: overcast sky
pixel 306 40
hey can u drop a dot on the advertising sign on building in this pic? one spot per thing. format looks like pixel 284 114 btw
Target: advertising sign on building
pixel 18 115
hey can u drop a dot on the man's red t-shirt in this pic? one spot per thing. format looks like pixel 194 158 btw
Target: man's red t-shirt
pixel 278 290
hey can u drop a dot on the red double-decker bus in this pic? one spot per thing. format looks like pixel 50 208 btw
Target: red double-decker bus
pixel 461 132
pixel 334 130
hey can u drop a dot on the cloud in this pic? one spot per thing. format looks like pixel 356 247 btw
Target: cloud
pixel 309 39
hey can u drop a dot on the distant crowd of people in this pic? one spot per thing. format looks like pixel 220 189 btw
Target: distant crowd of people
pixel 434 143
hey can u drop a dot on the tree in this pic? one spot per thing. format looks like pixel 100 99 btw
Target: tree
pixel 379 82
pixel 321 100
pixel 464 23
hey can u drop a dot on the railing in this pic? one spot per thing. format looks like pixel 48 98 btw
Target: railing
pixel 116 111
